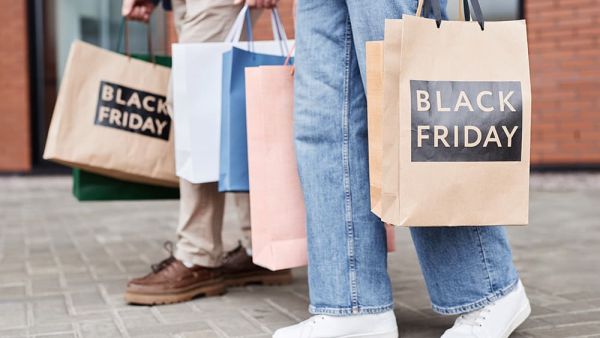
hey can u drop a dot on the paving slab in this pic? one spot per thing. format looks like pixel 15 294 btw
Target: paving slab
pixel 64 265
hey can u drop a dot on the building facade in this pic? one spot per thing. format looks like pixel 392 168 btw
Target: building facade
pixel 564 42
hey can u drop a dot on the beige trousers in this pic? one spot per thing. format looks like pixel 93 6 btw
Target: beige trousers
pixel 202 207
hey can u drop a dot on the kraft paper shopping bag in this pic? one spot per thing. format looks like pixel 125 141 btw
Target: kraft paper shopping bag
pixel 465 116
pixel 111 117
pixel 197 86
pixel 390 120
pixel 374 61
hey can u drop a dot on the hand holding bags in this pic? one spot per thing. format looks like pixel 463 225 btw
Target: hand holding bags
pixel 464 121
pixel 111 117
pixel 197 87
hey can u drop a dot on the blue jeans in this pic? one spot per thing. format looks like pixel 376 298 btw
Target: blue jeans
pixel 464 268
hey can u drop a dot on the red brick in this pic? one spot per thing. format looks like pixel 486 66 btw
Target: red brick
pixel 15 136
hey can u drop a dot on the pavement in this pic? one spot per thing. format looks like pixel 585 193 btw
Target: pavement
pixel 64 265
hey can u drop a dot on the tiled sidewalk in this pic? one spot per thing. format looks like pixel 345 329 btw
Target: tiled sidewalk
pixel 64 265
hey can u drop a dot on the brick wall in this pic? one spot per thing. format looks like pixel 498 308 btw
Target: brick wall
pixel 15 147
pixel 564 44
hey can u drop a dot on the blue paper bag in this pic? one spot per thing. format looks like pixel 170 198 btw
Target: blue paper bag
pixel 233 171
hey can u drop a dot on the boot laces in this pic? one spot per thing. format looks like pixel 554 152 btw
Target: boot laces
pixel 168 246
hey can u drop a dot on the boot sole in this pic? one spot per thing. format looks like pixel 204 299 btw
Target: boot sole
pixel 270 279
pixel 518 319
pixel 213 289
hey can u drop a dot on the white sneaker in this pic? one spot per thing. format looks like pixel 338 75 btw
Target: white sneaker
pixel 497 320
pixel 381 325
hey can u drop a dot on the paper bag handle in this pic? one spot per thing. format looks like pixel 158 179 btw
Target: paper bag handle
pixel 124 34
pixel 279 34
pixel 424 5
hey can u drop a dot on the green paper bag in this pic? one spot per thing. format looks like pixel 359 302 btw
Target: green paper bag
pixel 92 187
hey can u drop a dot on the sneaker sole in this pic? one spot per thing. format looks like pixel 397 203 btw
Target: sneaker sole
pixel 271 279
pixel 518 319
pixel 374 335
pixel 213 289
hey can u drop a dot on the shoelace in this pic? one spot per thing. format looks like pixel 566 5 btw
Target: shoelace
pixel 168 245
pixel 228 255
pixel 315 318
pixel 476 318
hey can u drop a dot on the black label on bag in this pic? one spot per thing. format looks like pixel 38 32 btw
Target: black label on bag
pixel 466 121
pixel 133 110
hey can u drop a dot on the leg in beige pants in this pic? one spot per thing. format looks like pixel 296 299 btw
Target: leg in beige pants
pixel 201 209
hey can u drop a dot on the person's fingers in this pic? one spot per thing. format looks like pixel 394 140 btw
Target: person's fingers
pixel 147 12
pixel 127 7
pixel 138 13
pixel 135 13
pixel 251 3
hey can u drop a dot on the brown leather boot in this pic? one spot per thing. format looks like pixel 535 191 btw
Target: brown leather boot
pixel 239 270
pixel 171 282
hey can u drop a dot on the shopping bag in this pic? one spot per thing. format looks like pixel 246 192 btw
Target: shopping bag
pixel 465 115
pixel 111 117
pixel 276 199
pixel 233 168
pixel 88 186
pixel 374 62
pixel 390 121
pixel 233 164
pixel 197 86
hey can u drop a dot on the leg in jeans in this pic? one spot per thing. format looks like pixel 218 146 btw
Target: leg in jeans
pixel 465 268
pixel 347 244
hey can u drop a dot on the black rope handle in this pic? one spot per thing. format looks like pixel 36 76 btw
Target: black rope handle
pixel 125 35
pixel 437 12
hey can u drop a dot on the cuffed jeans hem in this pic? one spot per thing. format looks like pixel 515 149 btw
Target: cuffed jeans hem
pixel 474 306
pixel 349 311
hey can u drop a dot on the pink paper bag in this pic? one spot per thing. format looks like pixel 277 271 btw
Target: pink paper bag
pixel 276 200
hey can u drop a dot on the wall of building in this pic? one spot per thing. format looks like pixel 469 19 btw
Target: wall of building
pixel 564 45
pixel 15 135
pixel 564 41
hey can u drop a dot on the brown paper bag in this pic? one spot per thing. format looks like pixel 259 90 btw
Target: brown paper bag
pixel 464 78
pixel 390 184
pixel 111 117
pixel 374 58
